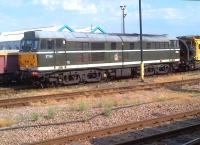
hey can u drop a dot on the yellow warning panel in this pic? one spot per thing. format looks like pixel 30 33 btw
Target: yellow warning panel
pixel 197 41
pixel 28 60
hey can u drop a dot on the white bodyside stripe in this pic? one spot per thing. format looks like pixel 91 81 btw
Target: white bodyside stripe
pixel 108 51
pixel 81 66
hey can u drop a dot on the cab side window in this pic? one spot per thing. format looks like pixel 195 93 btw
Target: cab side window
pixel 50 44
pixel 43 44
pixel 60 43
pixel 148 45
pixel 166 45
pixel 153 45
pixel 157 45
pixel 172 44
pixel 132 46
pixel 177 44
pixel 85 46
pixel 113 46
pixel 162 45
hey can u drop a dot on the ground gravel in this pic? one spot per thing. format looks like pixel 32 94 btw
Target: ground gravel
pixel 141 110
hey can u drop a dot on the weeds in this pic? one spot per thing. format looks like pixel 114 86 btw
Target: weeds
pixel 195 94
pixel 136 102
pixel 125 101
pixel 20 118
pixel 158 98
pixel 35 116
pixel 109 102
pixel 99 104
pixel 108 111
pixel 81 106
pixel 51 113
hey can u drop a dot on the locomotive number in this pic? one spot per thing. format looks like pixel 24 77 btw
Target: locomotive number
pixel 49 56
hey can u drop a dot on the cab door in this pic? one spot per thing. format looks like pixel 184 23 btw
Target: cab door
pixel 60 54
pixel 47 57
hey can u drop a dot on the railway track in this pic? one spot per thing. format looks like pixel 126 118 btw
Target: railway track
pixel 15 88
pixel 102 136
pixel 175 133
pixel 16 102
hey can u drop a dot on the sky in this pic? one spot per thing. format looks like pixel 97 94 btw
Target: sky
pixel 173 17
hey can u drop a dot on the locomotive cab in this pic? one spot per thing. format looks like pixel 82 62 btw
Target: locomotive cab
pixel 27 56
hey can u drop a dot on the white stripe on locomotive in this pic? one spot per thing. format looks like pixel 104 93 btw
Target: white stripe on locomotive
pixel 99 65
pixel 108 51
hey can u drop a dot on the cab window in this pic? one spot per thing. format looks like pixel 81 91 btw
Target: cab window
pixel 166 45
pixel 173 44
pixel 162 45
pixel 132 46
pixel 148 45
pixel 28 45
pixel 98 46
pixel 50 44
pixel 43 44
pixel 157 45
pixel 60 43
pixel 113 46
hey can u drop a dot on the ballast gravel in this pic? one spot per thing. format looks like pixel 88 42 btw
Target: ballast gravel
pixel 138 112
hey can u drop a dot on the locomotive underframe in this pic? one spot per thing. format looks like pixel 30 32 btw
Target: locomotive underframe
pixel 69 77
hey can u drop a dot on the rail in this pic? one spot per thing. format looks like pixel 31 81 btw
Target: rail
pixel 25 101
pixel 118 129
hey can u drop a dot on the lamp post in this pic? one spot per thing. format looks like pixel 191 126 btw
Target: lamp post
pixel 141 45
pixel 123 8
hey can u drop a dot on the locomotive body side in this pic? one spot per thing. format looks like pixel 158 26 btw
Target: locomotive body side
pixel 69 58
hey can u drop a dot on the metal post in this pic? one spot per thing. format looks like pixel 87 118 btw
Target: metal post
pixel 123 22
pixel 123 8
pixel 141 46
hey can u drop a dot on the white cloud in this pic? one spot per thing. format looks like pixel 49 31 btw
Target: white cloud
pixel 82 6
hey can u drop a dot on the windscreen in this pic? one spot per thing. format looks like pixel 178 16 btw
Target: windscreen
pixel 29 45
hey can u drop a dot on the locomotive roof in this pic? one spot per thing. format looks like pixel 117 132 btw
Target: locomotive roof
pixel 83 37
